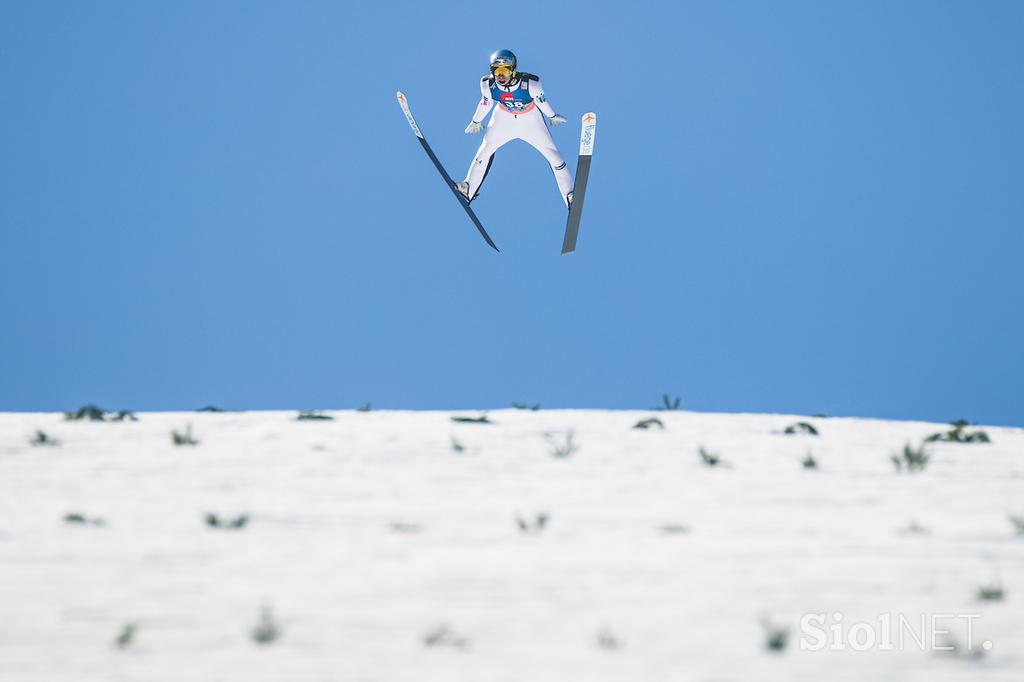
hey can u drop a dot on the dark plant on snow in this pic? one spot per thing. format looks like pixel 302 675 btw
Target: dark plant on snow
pixel 564 448
pixel 911 459
pixel 313 415
pixel 86 413
pixel 184 438
pixel 607 640
pixel 524 406
pixel 266 630
pixel 98 414
pixel 43 440
pixel 801 427
pixel 991 592
pixel 648 423
pixel 535 526
pixel 237 523
pixel 809 462
pixel 669 403
pixel 959 434
pixel 83 520
pixel 914 528
pixel 443 635
pixel 709 458
pixel 126 637
pixel 482 419
pixel 776 636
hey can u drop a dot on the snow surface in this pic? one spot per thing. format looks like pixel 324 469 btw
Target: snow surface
pixel 355 595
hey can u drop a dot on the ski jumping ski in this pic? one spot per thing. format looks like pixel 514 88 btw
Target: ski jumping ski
pixel 579 191
pixel 404 103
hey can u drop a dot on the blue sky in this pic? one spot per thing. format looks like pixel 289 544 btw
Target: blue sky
pixel 794 207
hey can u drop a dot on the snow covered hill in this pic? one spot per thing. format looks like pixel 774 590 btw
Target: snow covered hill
pixel 407 546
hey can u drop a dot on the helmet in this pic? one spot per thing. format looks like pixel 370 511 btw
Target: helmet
pixel 504 58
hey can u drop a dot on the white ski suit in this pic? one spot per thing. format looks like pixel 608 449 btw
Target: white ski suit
pixel 517 115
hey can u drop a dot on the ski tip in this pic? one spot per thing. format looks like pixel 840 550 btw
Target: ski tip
pixel 400 95
pixel 587 131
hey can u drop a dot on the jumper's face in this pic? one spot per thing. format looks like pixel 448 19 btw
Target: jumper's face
pixel 502 75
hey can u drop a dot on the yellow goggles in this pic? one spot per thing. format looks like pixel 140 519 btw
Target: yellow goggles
pixel 503 71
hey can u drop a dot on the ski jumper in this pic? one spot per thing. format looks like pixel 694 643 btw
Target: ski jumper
pixel 517 116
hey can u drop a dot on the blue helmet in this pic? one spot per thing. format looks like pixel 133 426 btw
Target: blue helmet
pixel 503 58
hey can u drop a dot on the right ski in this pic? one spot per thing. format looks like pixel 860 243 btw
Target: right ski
pixel 579 190
pixel 437 164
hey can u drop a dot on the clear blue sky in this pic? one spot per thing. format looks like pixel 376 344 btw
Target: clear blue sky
pixel 794 207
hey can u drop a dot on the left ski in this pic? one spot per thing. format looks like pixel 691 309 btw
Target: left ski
pixel 579 190
pixel 437 164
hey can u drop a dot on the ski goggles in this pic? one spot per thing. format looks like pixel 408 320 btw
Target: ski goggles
pixel 505 71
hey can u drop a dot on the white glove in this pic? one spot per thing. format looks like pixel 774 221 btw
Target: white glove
pixel 557 120
pixel 473 128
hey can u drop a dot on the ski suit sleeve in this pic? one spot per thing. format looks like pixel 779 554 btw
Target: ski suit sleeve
pixel 484 107
pixel 537 93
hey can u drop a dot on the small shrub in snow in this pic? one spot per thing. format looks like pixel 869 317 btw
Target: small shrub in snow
pixel 405 528
pixel 266 630
pixel 97 414
pixel 669 403
pixel 910 459
pixel 86 413
pixel 183 438
pixel 83 520
pixel 607 640
pixel 126 637
pixel 809 462
pixel 532 527
pixel 43 440
pixel 524 406
pixel 562 449
pixel 801 427
pixel 457 446
pixel 648 423
pixel 914 528
pixel 209 408
pixel 949 645
pixel 709 458
pixel 482 419
pixel 365 407
pixel 673 529
pixel 1018 523
pixel 237 523
pixel 776 637
pixel 442 635
pixel 313 416
pixel 991 592
pixel 959 434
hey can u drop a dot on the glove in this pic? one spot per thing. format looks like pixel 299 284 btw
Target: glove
pixel 473 128
pixel 557 120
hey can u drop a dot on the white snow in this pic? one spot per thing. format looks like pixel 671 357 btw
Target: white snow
pixel 354 595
